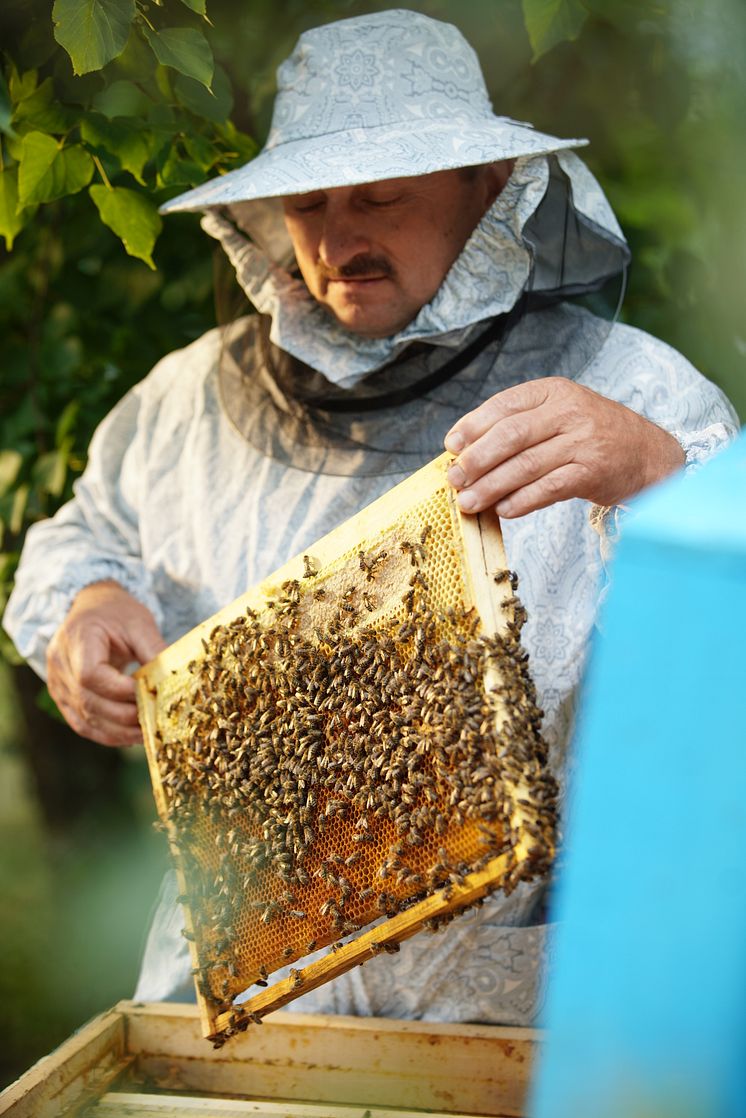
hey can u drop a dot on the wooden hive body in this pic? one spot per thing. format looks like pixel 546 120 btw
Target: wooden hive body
pixel 355 738
pixel 150 1061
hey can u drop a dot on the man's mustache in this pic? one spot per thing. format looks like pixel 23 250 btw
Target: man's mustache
pixel 357 268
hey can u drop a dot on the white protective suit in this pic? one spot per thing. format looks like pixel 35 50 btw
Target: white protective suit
pixel 186 514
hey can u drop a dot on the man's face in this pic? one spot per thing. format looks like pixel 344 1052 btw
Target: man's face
pixel 374 254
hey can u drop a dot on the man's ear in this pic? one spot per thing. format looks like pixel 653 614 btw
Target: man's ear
pixel 495 178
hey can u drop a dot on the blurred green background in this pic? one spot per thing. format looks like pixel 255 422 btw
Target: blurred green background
pixel 658 88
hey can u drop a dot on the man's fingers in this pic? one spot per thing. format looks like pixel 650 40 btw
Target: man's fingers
pixel 506 440
pixel 105 723
pixel 516 473
pixel 559 485
pixel 511 401
pixel 107 681
pixel 101 720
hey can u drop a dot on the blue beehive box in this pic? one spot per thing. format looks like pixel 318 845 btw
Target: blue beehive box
pixel 647 999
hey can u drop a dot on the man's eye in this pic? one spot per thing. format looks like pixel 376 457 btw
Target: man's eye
pixel 307 207
pixel 379 202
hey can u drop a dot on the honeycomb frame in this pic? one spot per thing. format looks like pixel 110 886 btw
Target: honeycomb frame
pixel 372 566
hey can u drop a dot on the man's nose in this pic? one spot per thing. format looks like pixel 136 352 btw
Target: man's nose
pixel 342 239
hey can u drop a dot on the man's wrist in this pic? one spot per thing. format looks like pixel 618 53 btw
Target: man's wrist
pixel 669 457
pixel 102 587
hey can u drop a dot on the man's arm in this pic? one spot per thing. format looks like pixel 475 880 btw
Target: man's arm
pixel 83 606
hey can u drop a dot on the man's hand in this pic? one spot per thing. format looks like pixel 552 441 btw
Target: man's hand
pixel 105 630
pixel 547 440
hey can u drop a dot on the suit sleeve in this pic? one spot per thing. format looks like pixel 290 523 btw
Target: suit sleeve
pixel 94 537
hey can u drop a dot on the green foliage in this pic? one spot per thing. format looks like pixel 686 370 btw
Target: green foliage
pixel 185 49
pixel 131 216
pixel 93 32
pixel 549 22
pixel 137 94
pixel 49 171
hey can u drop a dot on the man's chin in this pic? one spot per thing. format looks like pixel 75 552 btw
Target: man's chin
pixel 369 322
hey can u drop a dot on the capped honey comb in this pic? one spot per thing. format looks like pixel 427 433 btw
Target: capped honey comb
pixel 353 742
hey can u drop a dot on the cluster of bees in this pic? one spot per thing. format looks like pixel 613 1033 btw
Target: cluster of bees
pixel 329 765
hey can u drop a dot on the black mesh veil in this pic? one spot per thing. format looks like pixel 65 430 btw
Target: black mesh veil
pixel 394 419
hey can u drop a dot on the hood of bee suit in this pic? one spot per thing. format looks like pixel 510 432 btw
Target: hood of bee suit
pixel 398 94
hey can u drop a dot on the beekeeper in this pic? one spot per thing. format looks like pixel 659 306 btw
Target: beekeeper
pixel 422 270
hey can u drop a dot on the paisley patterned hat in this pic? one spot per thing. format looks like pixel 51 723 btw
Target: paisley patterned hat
pixel 380 96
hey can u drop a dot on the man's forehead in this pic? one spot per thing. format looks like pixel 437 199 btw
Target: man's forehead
pixel 403 182
pixel 374 185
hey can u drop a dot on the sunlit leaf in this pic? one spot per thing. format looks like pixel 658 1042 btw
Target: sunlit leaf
pixel 184 49
pixel 93 32
pixel 10 466
pixel 11 222
pixel 549 22
pixel 242 147
pixel 66 422
pixel 22 85
pixel 13 145
pixel 124 139
pixel 18 510
pixel 49 472
pixel 41 110
pixel 130 215
pixel 48 171
pixel 203 151
pixel 198 6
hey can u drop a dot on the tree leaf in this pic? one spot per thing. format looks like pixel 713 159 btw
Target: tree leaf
pixel 124 139
pixel 22 85
pixel 42 112
pixel 242 147
pixel 49 471
pixel 130 215
pixel 92 31
pixel 185 49
pixel 10 466
pixel 121 98
pixel 216 105
pixel 198 6
pixel 6 108
pixel 48 171
pixel 175 170
pixel 203 151
pixel 66 422
pixel 11 222
pixel 18 510
pixel 549 22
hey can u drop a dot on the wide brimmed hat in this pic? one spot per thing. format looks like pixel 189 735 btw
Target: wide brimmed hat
pixel 380 96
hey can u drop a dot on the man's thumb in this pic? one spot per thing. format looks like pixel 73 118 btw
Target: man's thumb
pixel 147 642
